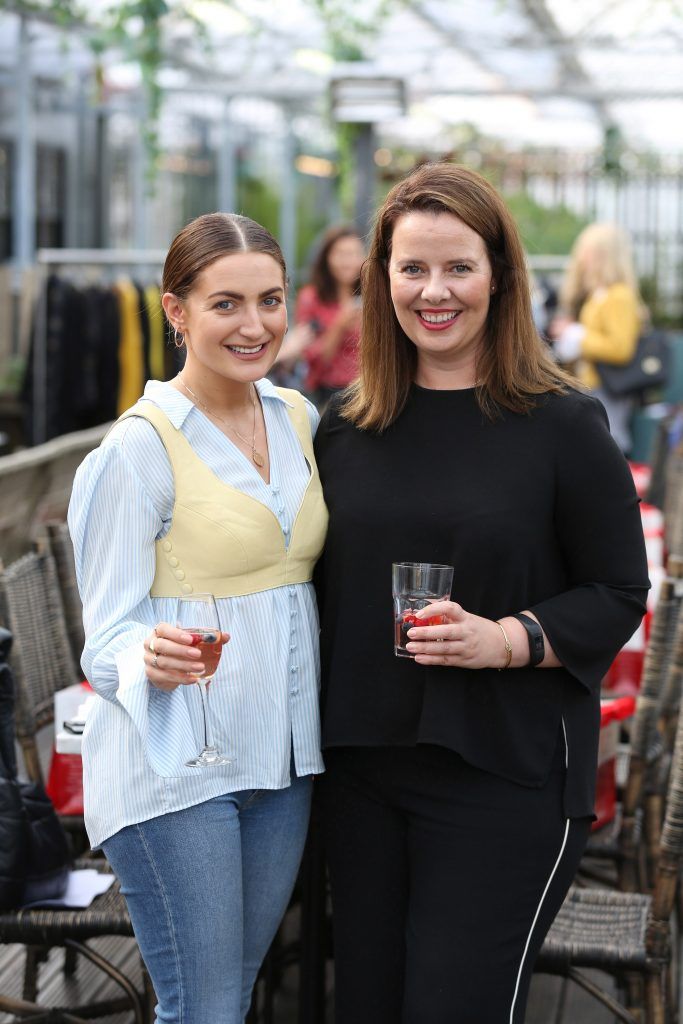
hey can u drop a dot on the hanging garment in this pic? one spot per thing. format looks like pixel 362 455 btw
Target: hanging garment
pixel 155 319
pixel 131 347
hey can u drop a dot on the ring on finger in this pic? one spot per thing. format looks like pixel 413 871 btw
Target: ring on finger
pixel 151 645
pixel 155 661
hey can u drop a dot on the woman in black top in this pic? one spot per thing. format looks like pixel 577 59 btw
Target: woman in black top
pixel 459 787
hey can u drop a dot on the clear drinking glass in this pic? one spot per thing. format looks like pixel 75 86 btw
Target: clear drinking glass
pixel 197 614
pixel 414 586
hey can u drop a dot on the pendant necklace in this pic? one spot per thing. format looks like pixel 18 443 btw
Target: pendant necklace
pixel 256 457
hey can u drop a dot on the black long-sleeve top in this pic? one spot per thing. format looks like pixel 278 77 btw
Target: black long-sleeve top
pixel 534 512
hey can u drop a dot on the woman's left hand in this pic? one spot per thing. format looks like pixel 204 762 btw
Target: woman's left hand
pixel 463 640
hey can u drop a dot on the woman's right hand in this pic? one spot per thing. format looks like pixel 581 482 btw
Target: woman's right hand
pixel 170 659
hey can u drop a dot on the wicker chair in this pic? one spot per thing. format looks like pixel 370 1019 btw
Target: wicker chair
pixel 626 934
pixel 57 541
pixel 40 929
pixel 631 841
pixel 673 500
pixel 42 662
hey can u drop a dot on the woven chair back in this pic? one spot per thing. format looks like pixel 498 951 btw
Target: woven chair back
pixel 673 501
pixel 670 853
pixel 41 658
pixel 658 658
pixel 672 832
pixel 59 544
pixel 671 691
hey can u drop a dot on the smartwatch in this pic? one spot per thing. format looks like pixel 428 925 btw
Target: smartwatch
pixel 535 635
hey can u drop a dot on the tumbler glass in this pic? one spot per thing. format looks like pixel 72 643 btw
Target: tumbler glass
pixel 416 585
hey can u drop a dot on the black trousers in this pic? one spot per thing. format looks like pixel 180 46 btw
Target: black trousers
pixel 445 880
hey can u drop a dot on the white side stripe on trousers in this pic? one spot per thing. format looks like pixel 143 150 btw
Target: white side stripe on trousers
pixel 547 886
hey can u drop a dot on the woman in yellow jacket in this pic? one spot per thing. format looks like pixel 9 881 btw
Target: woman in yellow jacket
pixel 604 316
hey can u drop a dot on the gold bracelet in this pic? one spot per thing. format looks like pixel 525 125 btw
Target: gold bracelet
pixel 508 646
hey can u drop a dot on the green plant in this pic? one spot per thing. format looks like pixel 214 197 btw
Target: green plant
pixel 547 230
pixel 136 29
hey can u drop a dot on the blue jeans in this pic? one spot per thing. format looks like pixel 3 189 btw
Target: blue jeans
pixel 206 889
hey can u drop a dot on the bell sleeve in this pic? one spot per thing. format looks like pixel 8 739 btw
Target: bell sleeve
pixel 600 533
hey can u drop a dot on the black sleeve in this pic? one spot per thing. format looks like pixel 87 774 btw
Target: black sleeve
pixel 599 526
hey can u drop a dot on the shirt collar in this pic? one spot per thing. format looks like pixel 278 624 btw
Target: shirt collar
pixel 178 407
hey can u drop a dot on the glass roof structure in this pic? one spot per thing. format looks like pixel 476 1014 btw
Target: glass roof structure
pixel 529 72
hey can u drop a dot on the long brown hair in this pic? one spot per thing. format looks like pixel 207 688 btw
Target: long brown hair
pixel 205 240
pixel 326 287
pixel 514 365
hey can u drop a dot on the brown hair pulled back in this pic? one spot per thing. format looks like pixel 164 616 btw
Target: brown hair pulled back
pixel 208 238
pixel 513 366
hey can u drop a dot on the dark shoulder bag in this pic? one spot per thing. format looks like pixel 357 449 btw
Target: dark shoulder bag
pixel 34 848
pixel 649 368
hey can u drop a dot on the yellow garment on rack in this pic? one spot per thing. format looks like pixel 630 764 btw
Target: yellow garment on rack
pixel 155 319
pixel 131 347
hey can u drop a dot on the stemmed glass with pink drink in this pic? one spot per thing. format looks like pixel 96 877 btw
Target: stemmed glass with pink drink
pixel 197 614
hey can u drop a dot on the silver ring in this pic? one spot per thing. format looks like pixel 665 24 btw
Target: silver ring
pixel 155 661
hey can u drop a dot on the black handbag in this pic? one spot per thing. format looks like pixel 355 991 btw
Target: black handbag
pixel 34 848
pixel 649 368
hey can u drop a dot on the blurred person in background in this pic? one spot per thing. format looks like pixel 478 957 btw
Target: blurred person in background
pixel 329 307
pixel 603 316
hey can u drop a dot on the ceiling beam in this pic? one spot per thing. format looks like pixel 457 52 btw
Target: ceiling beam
pixel 572 72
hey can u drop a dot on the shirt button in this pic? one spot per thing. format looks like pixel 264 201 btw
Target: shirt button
pixel 167 546
pixel 294 669
pixel 173 561
pixel 186 588
pixel 179 574
pixel 292 647
pixel 293 693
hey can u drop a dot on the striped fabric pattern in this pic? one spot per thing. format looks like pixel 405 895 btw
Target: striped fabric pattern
pixel 264 698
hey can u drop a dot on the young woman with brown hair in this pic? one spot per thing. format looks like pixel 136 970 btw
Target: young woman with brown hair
pixel 208 484
pixel 328 308
pixel 459 786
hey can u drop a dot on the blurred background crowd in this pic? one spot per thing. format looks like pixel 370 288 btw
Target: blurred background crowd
pixel 119 122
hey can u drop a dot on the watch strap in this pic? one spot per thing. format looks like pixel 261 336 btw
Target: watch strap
pixel 535 637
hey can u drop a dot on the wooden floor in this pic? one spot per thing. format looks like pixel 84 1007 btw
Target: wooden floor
pixel 89 984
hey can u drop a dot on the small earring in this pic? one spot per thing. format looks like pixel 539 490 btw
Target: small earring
pixel 178 338
pixel 493 288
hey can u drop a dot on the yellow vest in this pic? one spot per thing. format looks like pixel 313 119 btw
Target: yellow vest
pixel 222 541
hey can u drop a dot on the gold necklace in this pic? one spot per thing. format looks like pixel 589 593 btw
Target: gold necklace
pixel 257 458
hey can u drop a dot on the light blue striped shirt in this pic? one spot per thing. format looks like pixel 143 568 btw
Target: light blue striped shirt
pixel 263 700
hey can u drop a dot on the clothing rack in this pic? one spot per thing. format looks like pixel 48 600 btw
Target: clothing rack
pixel 48 259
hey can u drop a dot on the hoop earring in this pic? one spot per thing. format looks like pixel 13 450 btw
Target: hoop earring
pixel 178 338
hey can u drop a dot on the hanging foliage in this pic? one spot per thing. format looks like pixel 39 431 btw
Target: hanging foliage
pixel 136 29
pixel 350 27
pixel 351 24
